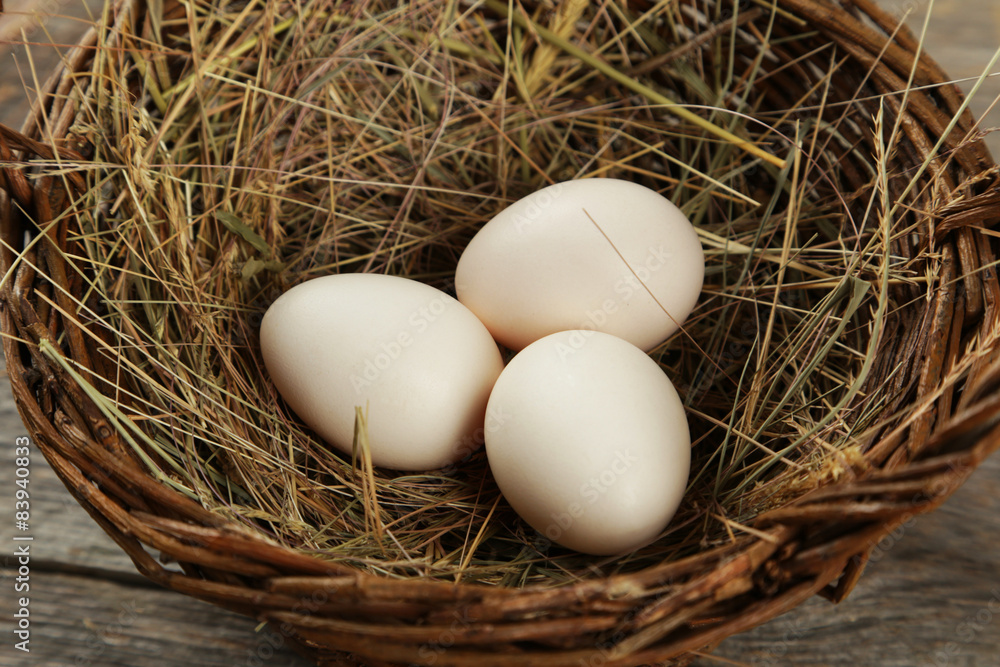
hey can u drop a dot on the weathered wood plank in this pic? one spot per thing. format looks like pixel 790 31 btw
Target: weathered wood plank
pixel 85 622
pixel 65 534
pixel 40 23
pixel 88 605
pixel 930 596
pixel 962 36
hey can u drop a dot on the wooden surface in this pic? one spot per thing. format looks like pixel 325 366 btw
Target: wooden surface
pixel 930 597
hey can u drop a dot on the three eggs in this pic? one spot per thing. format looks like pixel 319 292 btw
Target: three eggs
pixel 585 435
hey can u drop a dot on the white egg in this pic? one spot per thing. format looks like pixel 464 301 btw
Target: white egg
pixel 588 442
pixel 416 359
pixel 600 254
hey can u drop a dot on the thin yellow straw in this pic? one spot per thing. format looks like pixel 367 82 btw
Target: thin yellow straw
pixel 629 82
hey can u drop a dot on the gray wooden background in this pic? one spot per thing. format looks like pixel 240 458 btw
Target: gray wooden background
pixel 931 596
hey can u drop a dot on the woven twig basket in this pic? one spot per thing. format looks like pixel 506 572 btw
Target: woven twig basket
pixel 942 351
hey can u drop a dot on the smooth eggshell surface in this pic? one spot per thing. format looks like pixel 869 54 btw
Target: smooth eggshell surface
pixel 601 253
pixel 416 358
pixel 588 442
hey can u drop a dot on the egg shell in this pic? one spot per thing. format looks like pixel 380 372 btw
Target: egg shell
pixel 588 442
pixel 415 358
pixel 601 253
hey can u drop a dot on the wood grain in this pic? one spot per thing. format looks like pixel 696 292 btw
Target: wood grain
pixel 931 595
pixel 89 606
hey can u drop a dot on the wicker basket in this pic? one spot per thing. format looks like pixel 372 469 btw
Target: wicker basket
pixel 814 544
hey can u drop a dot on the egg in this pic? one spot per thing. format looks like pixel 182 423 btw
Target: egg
pixel 588 442
pixel 601 254
pixel 417 360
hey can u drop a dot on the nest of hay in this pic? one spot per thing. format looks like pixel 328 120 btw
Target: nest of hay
pixel 190 162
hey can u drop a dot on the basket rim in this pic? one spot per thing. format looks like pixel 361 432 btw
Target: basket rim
pixel 796 553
